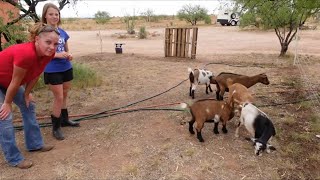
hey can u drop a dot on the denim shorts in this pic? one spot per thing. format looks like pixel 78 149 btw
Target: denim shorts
pixel 58 77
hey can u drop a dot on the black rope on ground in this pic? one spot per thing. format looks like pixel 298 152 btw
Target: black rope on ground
pixel 130 104
pixel 19 128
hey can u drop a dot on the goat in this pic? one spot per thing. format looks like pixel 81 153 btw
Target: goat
pixel 238 94
pixel 247 81
pixel 199 76
pixel 209 110
pixel 258 125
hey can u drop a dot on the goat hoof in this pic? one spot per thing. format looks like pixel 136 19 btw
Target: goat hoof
pixel 225 131
pixel 201 140
pixel 191 132
pixel 216 132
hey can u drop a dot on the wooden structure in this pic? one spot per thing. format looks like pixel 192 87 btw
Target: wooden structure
pixel 178 41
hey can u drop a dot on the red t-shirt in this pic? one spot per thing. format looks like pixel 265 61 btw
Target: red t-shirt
pixel 24 56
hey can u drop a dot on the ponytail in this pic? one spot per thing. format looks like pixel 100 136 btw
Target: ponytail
pixel 33 30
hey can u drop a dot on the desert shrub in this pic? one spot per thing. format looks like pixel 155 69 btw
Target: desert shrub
pixel 142 33
pixel 102 17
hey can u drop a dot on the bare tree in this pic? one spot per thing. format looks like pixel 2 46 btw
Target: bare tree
pixel 29 11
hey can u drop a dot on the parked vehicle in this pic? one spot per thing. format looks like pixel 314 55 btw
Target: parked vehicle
pixel 228 17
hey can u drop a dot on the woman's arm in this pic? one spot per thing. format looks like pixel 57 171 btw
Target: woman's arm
pixel 27 93
pixel 17 77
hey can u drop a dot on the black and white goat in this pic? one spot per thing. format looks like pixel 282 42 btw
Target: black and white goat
pixel 259 126
pixel 199 77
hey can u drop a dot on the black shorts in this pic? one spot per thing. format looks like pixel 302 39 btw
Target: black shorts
pixel 58 77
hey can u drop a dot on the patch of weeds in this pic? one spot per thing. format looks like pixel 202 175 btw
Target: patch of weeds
pixel 155 162
pixel 288 120
pixel 315 123
pixel 305 137
pixel 293 150
pixel 292 82
pixel 314 156
pixel 305 105
pixel 167 146
pixel 189 152
pixel 131 169
pixel 142 33
pixel 83 77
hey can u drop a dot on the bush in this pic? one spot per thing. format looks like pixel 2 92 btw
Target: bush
pixel 102 17
pixel 142 33
pixel 83 77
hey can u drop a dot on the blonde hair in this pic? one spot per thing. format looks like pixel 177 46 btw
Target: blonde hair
pixel 45 9
pixel 33 30
pixel 39 28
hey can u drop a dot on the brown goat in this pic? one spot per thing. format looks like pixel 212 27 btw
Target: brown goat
pixel 209 110
pixel 238 95
pixel 247 81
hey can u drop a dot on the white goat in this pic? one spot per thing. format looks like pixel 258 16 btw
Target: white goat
pixel 199 77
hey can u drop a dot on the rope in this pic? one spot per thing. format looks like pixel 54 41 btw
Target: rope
pixel 19 128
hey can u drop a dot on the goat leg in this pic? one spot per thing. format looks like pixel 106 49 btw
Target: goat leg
pixel 224 128
pixel 191 126
pixel 199 136
pixel 210 88
pixel 215 129
pixel 237 130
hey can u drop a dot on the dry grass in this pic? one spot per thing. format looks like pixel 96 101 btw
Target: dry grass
pixel 79 24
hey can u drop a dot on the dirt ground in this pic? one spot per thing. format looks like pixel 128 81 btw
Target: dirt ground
pixel 157 144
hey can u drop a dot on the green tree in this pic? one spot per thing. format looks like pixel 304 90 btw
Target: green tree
pixel 192 14
pixel 27 10
pixel 102 17
pixel 284 16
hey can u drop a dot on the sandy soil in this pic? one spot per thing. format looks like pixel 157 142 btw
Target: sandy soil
pixel 157 144
pixel 211 40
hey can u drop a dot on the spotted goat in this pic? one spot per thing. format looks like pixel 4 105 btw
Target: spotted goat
pixel 199 77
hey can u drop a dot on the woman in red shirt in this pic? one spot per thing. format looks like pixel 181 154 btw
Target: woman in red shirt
pixel 20 68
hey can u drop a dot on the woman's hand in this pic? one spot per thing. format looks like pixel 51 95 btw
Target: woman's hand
pixel 5 110
pixel 28 98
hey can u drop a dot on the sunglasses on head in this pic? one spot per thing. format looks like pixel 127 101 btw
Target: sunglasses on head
pixel 48 28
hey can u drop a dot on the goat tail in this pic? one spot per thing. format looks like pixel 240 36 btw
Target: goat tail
pixel 190 70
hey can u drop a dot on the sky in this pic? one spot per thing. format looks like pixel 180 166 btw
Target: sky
pixel 87 9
